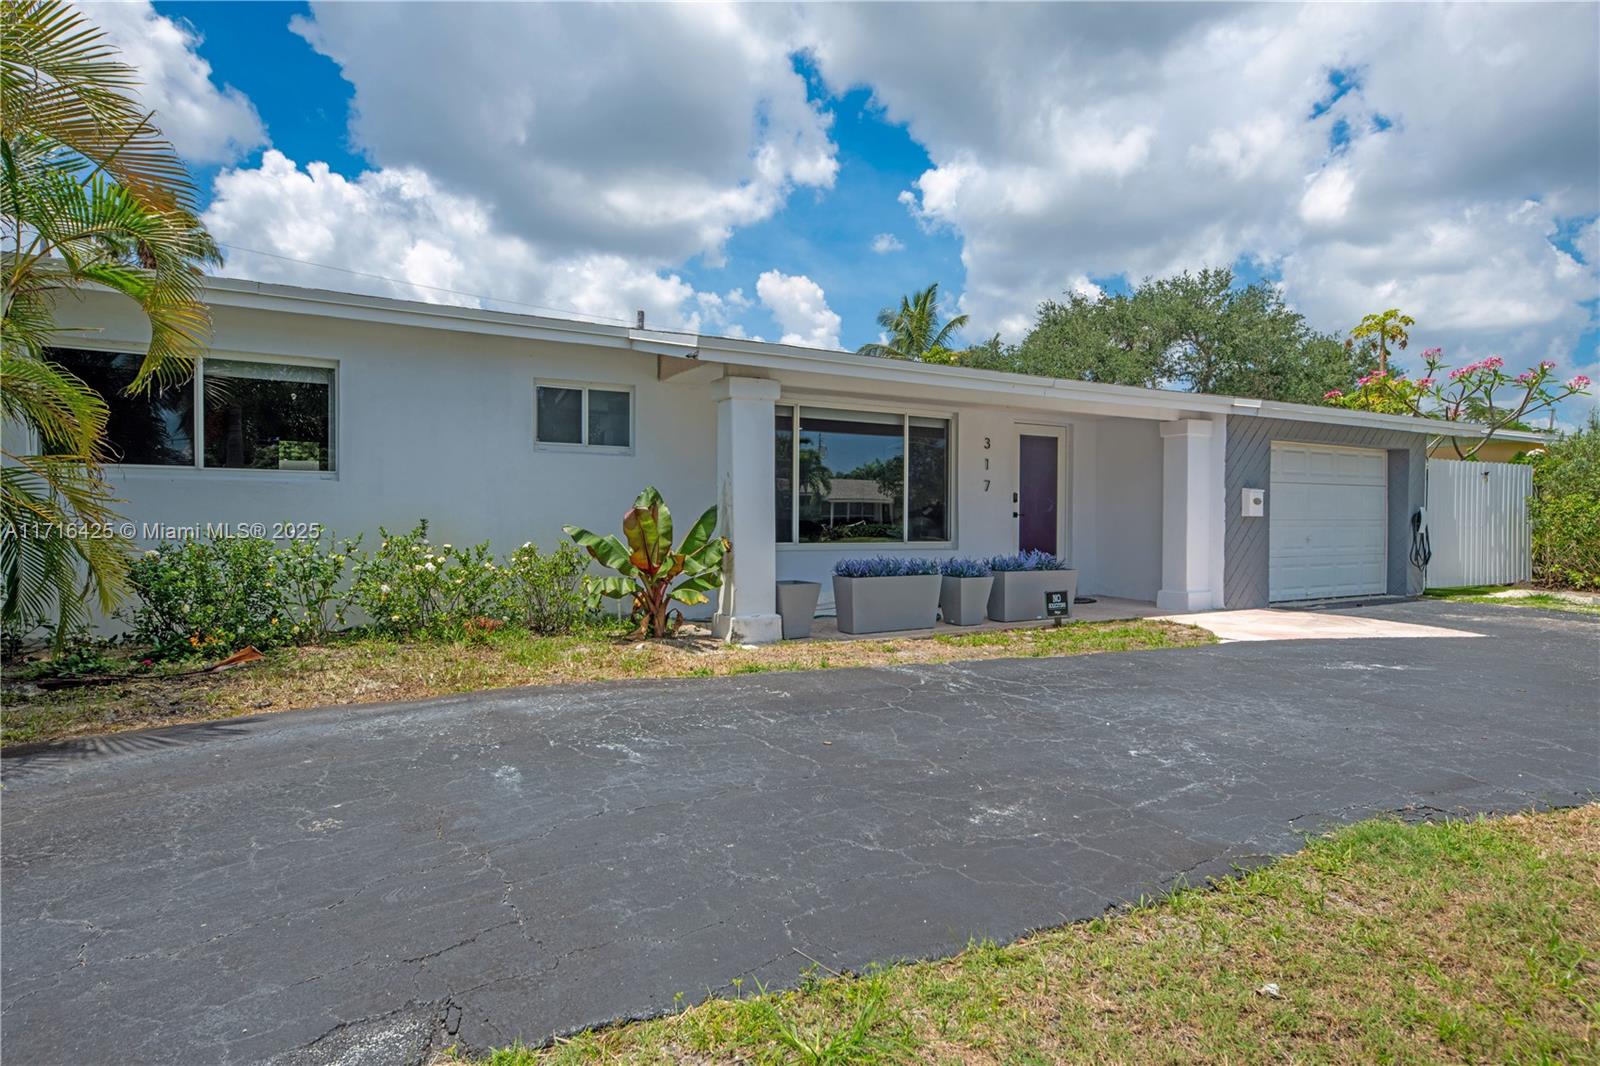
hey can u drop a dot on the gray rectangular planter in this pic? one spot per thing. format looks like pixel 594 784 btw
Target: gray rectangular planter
pixel 964 601
pixel 883 604
pixel 797 605
pixel 1018 595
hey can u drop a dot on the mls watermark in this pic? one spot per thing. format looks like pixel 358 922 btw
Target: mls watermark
pixel 126 529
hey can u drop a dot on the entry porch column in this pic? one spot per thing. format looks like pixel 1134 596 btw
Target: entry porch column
pixel 1191 515
pixel 746 502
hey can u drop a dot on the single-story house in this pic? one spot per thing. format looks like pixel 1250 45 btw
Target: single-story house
pixel 350 412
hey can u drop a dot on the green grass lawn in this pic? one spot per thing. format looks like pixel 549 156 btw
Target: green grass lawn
pixel 1467 941
pixel 356 669
pixel 1484 594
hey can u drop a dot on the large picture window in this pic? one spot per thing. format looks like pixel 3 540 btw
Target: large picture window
pixel 841 476
pixel 268 416
pixel 257 415
pixel 154 428
pixel 583 415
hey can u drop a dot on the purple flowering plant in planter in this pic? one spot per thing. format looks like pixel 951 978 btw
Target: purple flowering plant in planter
pixel 883 593
pixel 964 591
pixel 885 566
pixel 1021 582
pixel 1026 561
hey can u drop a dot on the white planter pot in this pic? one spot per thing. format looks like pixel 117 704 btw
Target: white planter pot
pixel 1018 595
pixel 797 605
pixel 884 604
pixel 964 601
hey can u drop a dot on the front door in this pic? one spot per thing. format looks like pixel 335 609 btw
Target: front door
pixel 1038 491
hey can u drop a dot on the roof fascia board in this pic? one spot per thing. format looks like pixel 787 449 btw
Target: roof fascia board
pixel 354 307
pixel 1152 403
pixel 1432 427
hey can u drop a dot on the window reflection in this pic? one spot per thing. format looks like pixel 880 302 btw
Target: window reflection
pixel 851 473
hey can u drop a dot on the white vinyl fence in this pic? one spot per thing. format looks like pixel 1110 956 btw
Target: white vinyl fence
pixel 1478 523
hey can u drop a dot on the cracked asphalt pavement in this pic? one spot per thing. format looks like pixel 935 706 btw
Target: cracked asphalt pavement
pixel 357 885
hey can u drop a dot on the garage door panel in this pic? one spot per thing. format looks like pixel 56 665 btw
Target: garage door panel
pixel 1328 520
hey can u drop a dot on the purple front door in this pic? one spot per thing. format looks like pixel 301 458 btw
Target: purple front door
pixel 1036 496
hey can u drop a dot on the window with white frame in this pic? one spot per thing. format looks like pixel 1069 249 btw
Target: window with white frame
pixel 255 414
pixel 590 416
pixel 842 476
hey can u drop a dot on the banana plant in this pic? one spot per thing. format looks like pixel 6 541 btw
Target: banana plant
pixel 647 565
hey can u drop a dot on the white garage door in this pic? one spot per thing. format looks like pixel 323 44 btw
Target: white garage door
pixel 1327 534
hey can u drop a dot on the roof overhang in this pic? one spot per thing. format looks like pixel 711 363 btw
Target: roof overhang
pixel 679 352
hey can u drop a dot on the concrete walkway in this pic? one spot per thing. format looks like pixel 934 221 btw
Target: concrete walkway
pixel 1348 624
pixel 360 885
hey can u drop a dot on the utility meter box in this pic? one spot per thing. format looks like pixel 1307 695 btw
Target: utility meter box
pixel 1252 502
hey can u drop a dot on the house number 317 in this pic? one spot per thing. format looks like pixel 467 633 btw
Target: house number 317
pixel 987 444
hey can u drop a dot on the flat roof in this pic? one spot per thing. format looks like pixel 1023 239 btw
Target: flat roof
pixel 766 355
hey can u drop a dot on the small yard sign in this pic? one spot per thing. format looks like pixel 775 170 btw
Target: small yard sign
pixel 1057 604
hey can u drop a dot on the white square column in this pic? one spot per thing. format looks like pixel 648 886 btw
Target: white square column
pixel 1191 515
pixel 747 507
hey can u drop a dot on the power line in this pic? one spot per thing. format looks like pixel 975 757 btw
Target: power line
pixel 420 285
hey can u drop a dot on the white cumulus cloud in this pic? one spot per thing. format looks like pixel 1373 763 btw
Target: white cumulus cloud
pixel 800 308
pixel 884 243
pixel 1090 141
pixel 398 223
pixel 205 123
pixel 646 131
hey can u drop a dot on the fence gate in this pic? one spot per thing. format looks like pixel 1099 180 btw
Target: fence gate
pixel 1478 523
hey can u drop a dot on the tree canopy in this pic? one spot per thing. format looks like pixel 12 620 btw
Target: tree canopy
pixel 1198 332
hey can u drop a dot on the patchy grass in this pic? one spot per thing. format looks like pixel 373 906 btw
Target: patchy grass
pixel 1383 942
pixel 1486 594
pixel 365 670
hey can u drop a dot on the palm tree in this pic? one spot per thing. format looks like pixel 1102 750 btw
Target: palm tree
pixel 1375 333
pixel 90 194
pixel 914 330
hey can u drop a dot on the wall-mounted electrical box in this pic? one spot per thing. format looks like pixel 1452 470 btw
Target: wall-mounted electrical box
pixel 1252 502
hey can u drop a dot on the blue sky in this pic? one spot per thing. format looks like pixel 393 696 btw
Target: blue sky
pixel 730 170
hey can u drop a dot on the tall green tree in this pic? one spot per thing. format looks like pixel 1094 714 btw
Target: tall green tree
pixel 914 330
pixel 1198 332
pixel 91 193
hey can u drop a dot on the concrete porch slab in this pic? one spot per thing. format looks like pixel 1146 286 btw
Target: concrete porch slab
pixel 1269 624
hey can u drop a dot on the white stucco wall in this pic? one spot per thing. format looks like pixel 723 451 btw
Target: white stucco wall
pixel 1125 510
pixel 439 425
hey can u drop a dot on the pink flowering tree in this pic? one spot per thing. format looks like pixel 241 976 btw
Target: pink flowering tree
pixel 1480 392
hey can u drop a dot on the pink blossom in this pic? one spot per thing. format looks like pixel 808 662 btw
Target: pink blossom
pixel 1424 383
pixel 1527 377
pixel 1332 394
pixel 1433 353
pixel 1579 382
pixel 1547 364
pixel 1460 372
pixel 1494 362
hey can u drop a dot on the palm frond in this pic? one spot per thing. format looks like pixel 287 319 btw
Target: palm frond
pixel 92 195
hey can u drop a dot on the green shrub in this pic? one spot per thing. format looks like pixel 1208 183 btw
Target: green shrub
pixel 210 597
pixel 410 587
pixel 80 654
pixel 1565 510
pixel 311 575
pixel 1566 540
pixel 544 593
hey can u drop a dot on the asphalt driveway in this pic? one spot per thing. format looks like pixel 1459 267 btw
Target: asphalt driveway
pixel 351 884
